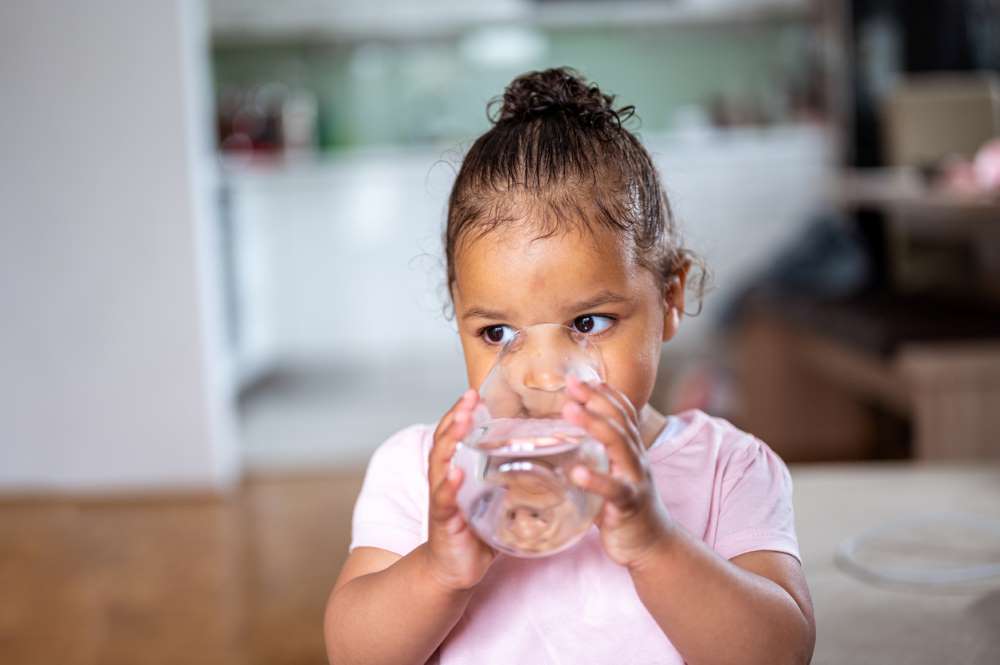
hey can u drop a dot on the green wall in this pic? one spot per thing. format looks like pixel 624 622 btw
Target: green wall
pixel 412 92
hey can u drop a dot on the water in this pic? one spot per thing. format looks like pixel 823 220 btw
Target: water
pixel 517 494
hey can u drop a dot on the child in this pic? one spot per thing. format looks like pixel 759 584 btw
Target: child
pixel 557 215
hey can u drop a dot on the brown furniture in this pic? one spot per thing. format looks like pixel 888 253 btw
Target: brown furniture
pixel 811 395
pixel 826 379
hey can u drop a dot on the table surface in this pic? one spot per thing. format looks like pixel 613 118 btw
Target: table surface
pixel 859 622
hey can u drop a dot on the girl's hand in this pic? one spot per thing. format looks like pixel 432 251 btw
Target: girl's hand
pixel 458 559
pixel 633 522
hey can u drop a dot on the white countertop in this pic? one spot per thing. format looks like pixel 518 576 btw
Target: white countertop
pixel 858 622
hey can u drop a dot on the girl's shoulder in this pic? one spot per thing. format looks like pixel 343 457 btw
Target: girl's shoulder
pixel 391 508
pixel 695 427
pixel 406 448
pixel 417 434
pixel 696 437
pixel 722 481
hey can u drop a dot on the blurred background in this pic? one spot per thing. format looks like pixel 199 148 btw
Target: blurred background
pixel 222 286
pixel 341 134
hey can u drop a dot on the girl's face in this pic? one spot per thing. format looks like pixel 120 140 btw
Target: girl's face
pixel 585 279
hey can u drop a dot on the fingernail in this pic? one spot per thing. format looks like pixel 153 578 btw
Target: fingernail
pixel 573 408
pixel 580 475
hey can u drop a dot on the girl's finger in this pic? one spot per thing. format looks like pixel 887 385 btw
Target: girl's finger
pixel 444 448
pixel 603 399
pixel 445 422
pixel 621 493
pixel 444 499
pixel 450 430
pixel 622 400
pixel 631 417
pixel 620 451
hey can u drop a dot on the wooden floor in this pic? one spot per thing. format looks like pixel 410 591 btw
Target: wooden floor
pixel 237 580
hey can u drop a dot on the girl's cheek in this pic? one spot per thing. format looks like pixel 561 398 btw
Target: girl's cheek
pixel 632 371
pixel 475 360
pixel 480 364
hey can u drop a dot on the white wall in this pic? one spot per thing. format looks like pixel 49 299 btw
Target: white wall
pixel 111 375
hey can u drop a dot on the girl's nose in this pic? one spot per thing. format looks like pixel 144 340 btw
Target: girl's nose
pixel 543 377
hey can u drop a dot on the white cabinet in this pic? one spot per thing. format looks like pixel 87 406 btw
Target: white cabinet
pixel 340 261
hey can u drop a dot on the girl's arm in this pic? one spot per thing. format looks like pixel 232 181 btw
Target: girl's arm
pixel 754 608
pixel 391 610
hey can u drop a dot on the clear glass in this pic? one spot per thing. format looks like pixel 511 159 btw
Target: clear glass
pixel 516 493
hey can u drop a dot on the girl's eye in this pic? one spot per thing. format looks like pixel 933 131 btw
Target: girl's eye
pixel 592 324
pixel 497 334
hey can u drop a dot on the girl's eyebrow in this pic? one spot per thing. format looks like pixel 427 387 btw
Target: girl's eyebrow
pixel 602 298
pixel 480 313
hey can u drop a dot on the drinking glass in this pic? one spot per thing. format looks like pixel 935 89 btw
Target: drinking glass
pixel 516 493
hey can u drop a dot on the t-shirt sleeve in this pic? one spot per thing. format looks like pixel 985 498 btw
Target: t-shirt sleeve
pixel 392 506
pixel 756 508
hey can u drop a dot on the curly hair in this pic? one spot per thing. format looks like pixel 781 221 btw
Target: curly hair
pixel 559 151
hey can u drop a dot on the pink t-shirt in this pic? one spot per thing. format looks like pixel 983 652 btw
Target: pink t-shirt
pixel 723 485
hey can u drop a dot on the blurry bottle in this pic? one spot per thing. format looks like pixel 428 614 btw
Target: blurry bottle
pixel 299 122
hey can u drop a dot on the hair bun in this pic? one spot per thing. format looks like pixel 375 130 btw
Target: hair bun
pixel 558 90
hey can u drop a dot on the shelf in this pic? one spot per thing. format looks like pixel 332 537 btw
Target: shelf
pixel 904 191
pixel 238 21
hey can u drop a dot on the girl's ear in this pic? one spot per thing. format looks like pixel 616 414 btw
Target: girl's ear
pixel 673 302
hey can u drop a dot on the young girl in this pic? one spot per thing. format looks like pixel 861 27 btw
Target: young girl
pixel 557 216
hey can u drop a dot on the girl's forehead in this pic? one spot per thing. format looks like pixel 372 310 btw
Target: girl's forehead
pixel 517 264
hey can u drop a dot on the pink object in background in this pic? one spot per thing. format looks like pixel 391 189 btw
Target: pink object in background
pixel 986 166
pixel 958 177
